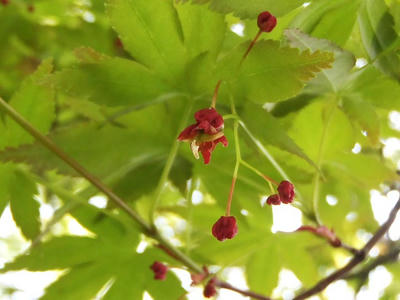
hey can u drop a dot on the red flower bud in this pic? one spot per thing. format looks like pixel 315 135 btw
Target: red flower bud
pixel 266 22
pixel 209 289
pixel 160 270
pixel 5 2
pixel 31 8
pixel 274 200
pixel 225 228
pixel 286 192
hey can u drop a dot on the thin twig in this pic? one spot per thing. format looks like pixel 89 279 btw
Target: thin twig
pixel 357 259
pixel 48 143
pixel 225 285
pixel 390 257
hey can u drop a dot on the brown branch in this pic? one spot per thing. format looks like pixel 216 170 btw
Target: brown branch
pixel 225 285
pixel 390 257
pixel 357 259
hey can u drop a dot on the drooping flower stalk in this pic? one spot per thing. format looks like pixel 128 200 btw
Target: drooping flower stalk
pixel 266 22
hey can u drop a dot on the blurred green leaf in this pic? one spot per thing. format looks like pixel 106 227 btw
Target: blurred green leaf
pixel 318 121
pixel 374 87
pixel 378 36
pixel 262 269
pixel 34 101
pixel 365 114
pixel 330 80
pixel 251 9
pixel 269 131
pixel 111 81
pixel 333 20
pixel 203 30
pixel 24 208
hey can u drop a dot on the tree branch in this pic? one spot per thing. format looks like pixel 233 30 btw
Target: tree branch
pixel 145 226
pixel 390 257
pixel 357 259
pixel 225 285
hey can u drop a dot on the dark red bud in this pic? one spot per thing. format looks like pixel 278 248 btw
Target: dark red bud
pixel 160 270
pixel 274 200
pixel 225 228
pixel 209 289
pixel 4 2
pixel 266 22
pixel 286 192
pixel 31 8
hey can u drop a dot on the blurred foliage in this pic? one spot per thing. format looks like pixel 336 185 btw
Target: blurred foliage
pixel 109 82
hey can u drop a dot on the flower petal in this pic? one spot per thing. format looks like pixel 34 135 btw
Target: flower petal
pixel 188 133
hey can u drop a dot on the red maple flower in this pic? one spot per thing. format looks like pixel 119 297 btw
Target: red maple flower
pixel 209 290
pixel 160 270
pixel 225 228
pixel 205 134
pixel 323 232
pixel 286 192
pixel 274 200
pixel 266 21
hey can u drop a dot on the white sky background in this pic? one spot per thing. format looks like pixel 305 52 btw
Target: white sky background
pixel 30 285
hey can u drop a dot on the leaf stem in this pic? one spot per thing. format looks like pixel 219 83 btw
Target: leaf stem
pixel 259 173
pixel 316 191
pixel 238 159
pixel 253 42
pixel 215 95
pixel 189 195
pixel 168 164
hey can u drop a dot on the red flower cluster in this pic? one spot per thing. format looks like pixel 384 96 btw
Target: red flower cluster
pixel 210 290
pixel 205 134
pixel 324 232
pixel 160 270
pixel 225 228
pixel 4 2
pixel 285 194
pixel 266 22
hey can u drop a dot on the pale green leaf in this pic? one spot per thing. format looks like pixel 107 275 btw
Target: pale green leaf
pixel 58 253
pixel 330 80
pixel 6 175
pixel 81 282
pixel 378 36
pixel 272 73
pixel 24 208
pixel 111 81
pixel 333 20
pixel 34 100
pixel 262 269
pixel 320 121
pixel 363 113
pixel 365 171
pixel 151 32
pixel 203 30
pixel 269 131
pixel 374 87
pixel 253 8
